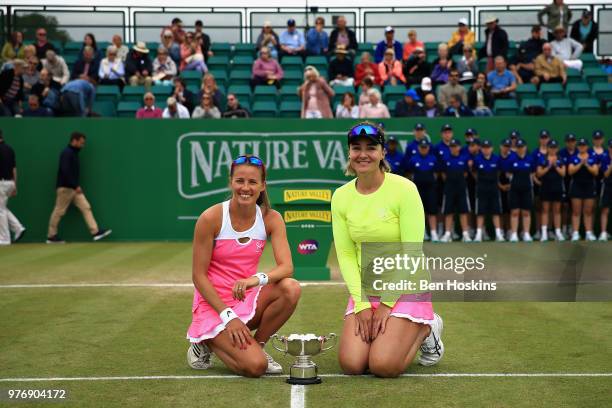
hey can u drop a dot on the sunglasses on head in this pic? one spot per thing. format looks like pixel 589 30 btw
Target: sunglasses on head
pixel 254 160
pixel 365 130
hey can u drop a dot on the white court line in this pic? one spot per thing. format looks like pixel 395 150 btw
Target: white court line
pixel 132 285
pixel 225 377
pixel 298 396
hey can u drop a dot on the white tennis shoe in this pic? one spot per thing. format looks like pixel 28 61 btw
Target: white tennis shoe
pixel 432 348
pixel 198 356
pixel 273 366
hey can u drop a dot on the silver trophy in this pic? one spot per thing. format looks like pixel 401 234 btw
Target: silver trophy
pixel 303 347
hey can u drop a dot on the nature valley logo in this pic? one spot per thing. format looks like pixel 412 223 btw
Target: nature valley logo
pixel 295 216
pixel 291 158
pixel 318 195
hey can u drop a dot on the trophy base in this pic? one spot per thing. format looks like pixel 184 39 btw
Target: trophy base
pixel 304 381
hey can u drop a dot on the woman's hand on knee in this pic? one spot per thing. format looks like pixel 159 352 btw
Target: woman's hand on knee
pixel 363 324
pixel 379 320
pixel 239 334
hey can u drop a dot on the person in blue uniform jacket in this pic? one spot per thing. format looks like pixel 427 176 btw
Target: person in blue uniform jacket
pixel 520 197
pixel 506 155
pixel 394 156
pixel 454 172
pixel 413 147
pixel 423 169
pixel 514 136
pixel 599 151
pixel 551 171
pixel 605 200
pixel 537 154
pixel 583 169
pixel 486 168
pixel 566 154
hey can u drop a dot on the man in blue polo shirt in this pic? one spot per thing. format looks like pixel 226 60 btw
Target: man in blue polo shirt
pixel 292 41
pixel 503 83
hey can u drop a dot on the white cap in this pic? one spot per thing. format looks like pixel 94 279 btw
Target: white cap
pixel 426 84
pixel 171 101
pixel 463 21
pixel 389 29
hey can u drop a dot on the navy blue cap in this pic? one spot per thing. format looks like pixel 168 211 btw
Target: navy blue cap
pixel 392 139
pixel 419 126
pixel 582 142
pixel 506 142
pixel 521 143
pixel 454 142
pixel 471 131
pixel 515 133
pixel 486 143
pixel 552 143
pixel 544 133
pixel 570 137
pixel 598 134
pixel 423 142
pixel 475 141
pixel 447 126
pixel 291 22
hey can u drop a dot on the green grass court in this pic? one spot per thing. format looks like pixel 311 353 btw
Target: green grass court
pixel 90 333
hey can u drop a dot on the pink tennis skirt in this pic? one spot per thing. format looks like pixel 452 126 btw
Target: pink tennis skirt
pixel 206 323
pixel 407 307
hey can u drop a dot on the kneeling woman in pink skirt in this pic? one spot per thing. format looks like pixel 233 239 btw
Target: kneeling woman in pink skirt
pixel 231 298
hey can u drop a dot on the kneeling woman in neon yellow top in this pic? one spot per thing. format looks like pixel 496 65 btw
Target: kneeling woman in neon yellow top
pixel 378 206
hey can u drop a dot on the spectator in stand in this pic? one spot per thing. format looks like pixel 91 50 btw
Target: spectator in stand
pixel 209 85
pixel 30 75
pixel 409 106
pixel 266 70
pixel 175 110
pixel 441 65
pixel 341 69
pixel 234 109
pixel 342 35
pixel 11 89
pixel 77 98
pixel 416 67
pixel 453 87
pixel 292 41
pixel 48 90
pixel 567 50
pixel 524 66
pixel 164 67
pixel 57 67
pixel 41 44
pixel 585 31
pixel 203 40
pixel 268 39
pixel 431 107
pixel 366 85
pixel 206 109
pixel 467 65
pixel 460 38
pixel 87 67
pixel 375 109
pixel 456 108
pixel 192 58
pixel 316 95
pixel 149 110
pixel 90 41
pixel 183 95
pixel 34 109
pixel 411 45
pixel 556 14
pixel 496 42
pixel 388 43
pixel 317 40
pixel 13 48
pixel 390 69
pixel 479 97
pixel 347 109
pixel 503 83
pixel 122 49
pixel 174 49
pixel 112 71
pixel 138 67
pixel 366 69
pixel 549 68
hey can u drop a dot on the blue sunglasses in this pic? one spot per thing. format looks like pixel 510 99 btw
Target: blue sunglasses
pixel 366 130
pixel 254 160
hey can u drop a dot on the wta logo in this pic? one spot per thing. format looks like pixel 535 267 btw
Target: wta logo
pixel 308 246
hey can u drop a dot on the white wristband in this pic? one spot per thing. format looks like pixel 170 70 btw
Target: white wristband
pixel 227 315
pixel 263 278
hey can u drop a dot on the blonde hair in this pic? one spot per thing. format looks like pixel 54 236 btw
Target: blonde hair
pixel 310 68
pixel 384 165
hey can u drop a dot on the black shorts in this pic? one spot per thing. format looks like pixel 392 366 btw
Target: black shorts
pixel 520 199
pixel 504 202
pixel 550 195
pixel 605 198
pixel 488 203
pixel 429 197
pixel 455 201
pixel 583 189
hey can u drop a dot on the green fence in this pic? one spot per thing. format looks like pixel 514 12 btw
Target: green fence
pixel 150 179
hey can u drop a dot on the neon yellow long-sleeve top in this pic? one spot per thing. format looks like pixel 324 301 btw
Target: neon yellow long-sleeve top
pixel 393 213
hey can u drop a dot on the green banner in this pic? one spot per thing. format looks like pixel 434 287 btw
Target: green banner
pixel 150 179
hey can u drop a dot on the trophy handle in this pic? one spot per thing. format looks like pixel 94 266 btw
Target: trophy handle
pixel 326 339
pixel 281 340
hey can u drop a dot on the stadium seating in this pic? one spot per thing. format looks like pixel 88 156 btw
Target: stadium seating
pixel 244 49
pixel 548 91
pixel 264 109
pixel 594 75
pixel 587 106
pixel 221 49
pixel 602 91
pixel 506 107
pixel 108 93
pixel 577 90
pixel 127 109
pixel 524 91
pixel 243 92
pixel 105 108
pixel 559 106
pixel 265 94
pixel 290 109
pixel 240 77
pixel 133 94
pixel 218 63
pixel 288 93
pixel 393 92
pixel 530 102
pixel 192 78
